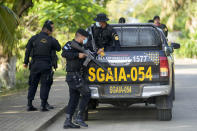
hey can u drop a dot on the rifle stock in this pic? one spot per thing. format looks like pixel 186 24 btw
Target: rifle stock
pixel 93 41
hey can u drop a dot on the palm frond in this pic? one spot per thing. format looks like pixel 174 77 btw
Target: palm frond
pixel 8 24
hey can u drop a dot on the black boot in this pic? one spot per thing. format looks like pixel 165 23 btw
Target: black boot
pixel 48 106
pixel 79 119
pixel 68 122
pixel 30 107
pixel 43 106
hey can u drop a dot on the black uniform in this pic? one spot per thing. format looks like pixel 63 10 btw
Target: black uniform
pixel 41 64
pixel 54 59
pixel 164 28
pixel 106 38
pixel 76 83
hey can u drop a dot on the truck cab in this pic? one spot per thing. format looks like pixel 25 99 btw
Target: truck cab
pixel 141 71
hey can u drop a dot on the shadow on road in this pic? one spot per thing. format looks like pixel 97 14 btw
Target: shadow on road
pixel 133 113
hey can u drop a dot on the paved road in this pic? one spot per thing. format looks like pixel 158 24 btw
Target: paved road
pixel 13 114
pixel 141 118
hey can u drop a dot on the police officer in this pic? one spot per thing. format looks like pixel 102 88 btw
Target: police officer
pixel 77 86
pixel 104 35
pixel 157 23
pixel 41 46
pixel 122 20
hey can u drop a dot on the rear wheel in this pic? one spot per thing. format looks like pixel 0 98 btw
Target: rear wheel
pixel 164 114
pixel 164 107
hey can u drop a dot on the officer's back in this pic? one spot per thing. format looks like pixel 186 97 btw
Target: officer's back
pixel 41 46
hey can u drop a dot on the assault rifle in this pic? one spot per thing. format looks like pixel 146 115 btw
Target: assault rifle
pixel 90 56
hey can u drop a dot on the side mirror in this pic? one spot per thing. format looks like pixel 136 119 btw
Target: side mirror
pixel 175 45
pixel 168 50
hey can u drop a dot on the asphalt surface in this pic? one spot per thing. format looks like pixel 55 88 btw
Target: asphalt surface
pixel 13 114
pixel 143 118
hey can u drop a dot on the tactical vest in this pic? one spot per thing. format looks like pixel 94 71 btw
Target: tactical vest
pixel 53 56
pixel 103 36
pixel 42 47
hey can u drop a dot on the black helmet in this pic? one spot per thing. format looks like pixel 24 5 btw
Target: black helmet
pixel 122 20
pixel 47 24
pixel 83 32
pixel 156 17
pixel 101 17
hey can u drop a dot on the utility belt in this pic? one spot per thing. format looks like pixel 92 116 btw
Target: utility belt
pixel 41 58
pixel 34 59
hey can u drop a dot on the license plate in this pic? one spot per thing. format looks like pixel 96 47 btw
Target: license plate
pixel 129 74
pixel 122 90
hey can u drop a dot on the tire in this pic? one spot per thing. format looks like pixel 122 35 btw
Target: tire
pixel 164 106
pixel 164 114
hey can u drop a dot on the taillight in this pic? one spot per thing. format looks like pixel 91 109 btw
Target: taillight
pixel 164 68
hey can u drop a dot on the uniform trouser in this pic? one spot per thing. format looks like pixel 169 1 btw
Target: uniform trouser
pixel 74 99
pixel 42 74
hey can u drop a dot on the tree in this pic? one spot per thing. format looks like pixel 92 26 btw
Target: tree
pixel 21 6
pixel 146 10
pixel 179 15
pixel 103 3
pixel 9 22
pixel 68 15
pixel 119 8
pixel 175 13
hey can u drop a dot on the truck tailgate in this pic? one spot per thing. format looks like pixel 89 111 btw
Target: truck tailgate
pixel 126 67
pixel 128 73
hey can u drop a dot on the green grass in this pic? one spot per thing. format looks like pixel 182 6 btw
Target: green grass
pixel 22 78
pixel 188 48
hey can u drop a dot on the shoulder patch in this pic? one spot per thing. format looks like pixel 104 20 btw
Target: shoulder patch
pixel 116 37
pixel 165 29
pixel 67 46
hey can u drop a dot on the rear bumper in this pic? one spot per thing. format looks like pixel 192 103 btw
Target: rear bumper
pixel 147 92
pixel 150 91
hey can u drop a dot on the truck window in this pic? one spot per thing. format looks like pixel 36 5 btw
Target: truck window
pixel 138 37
